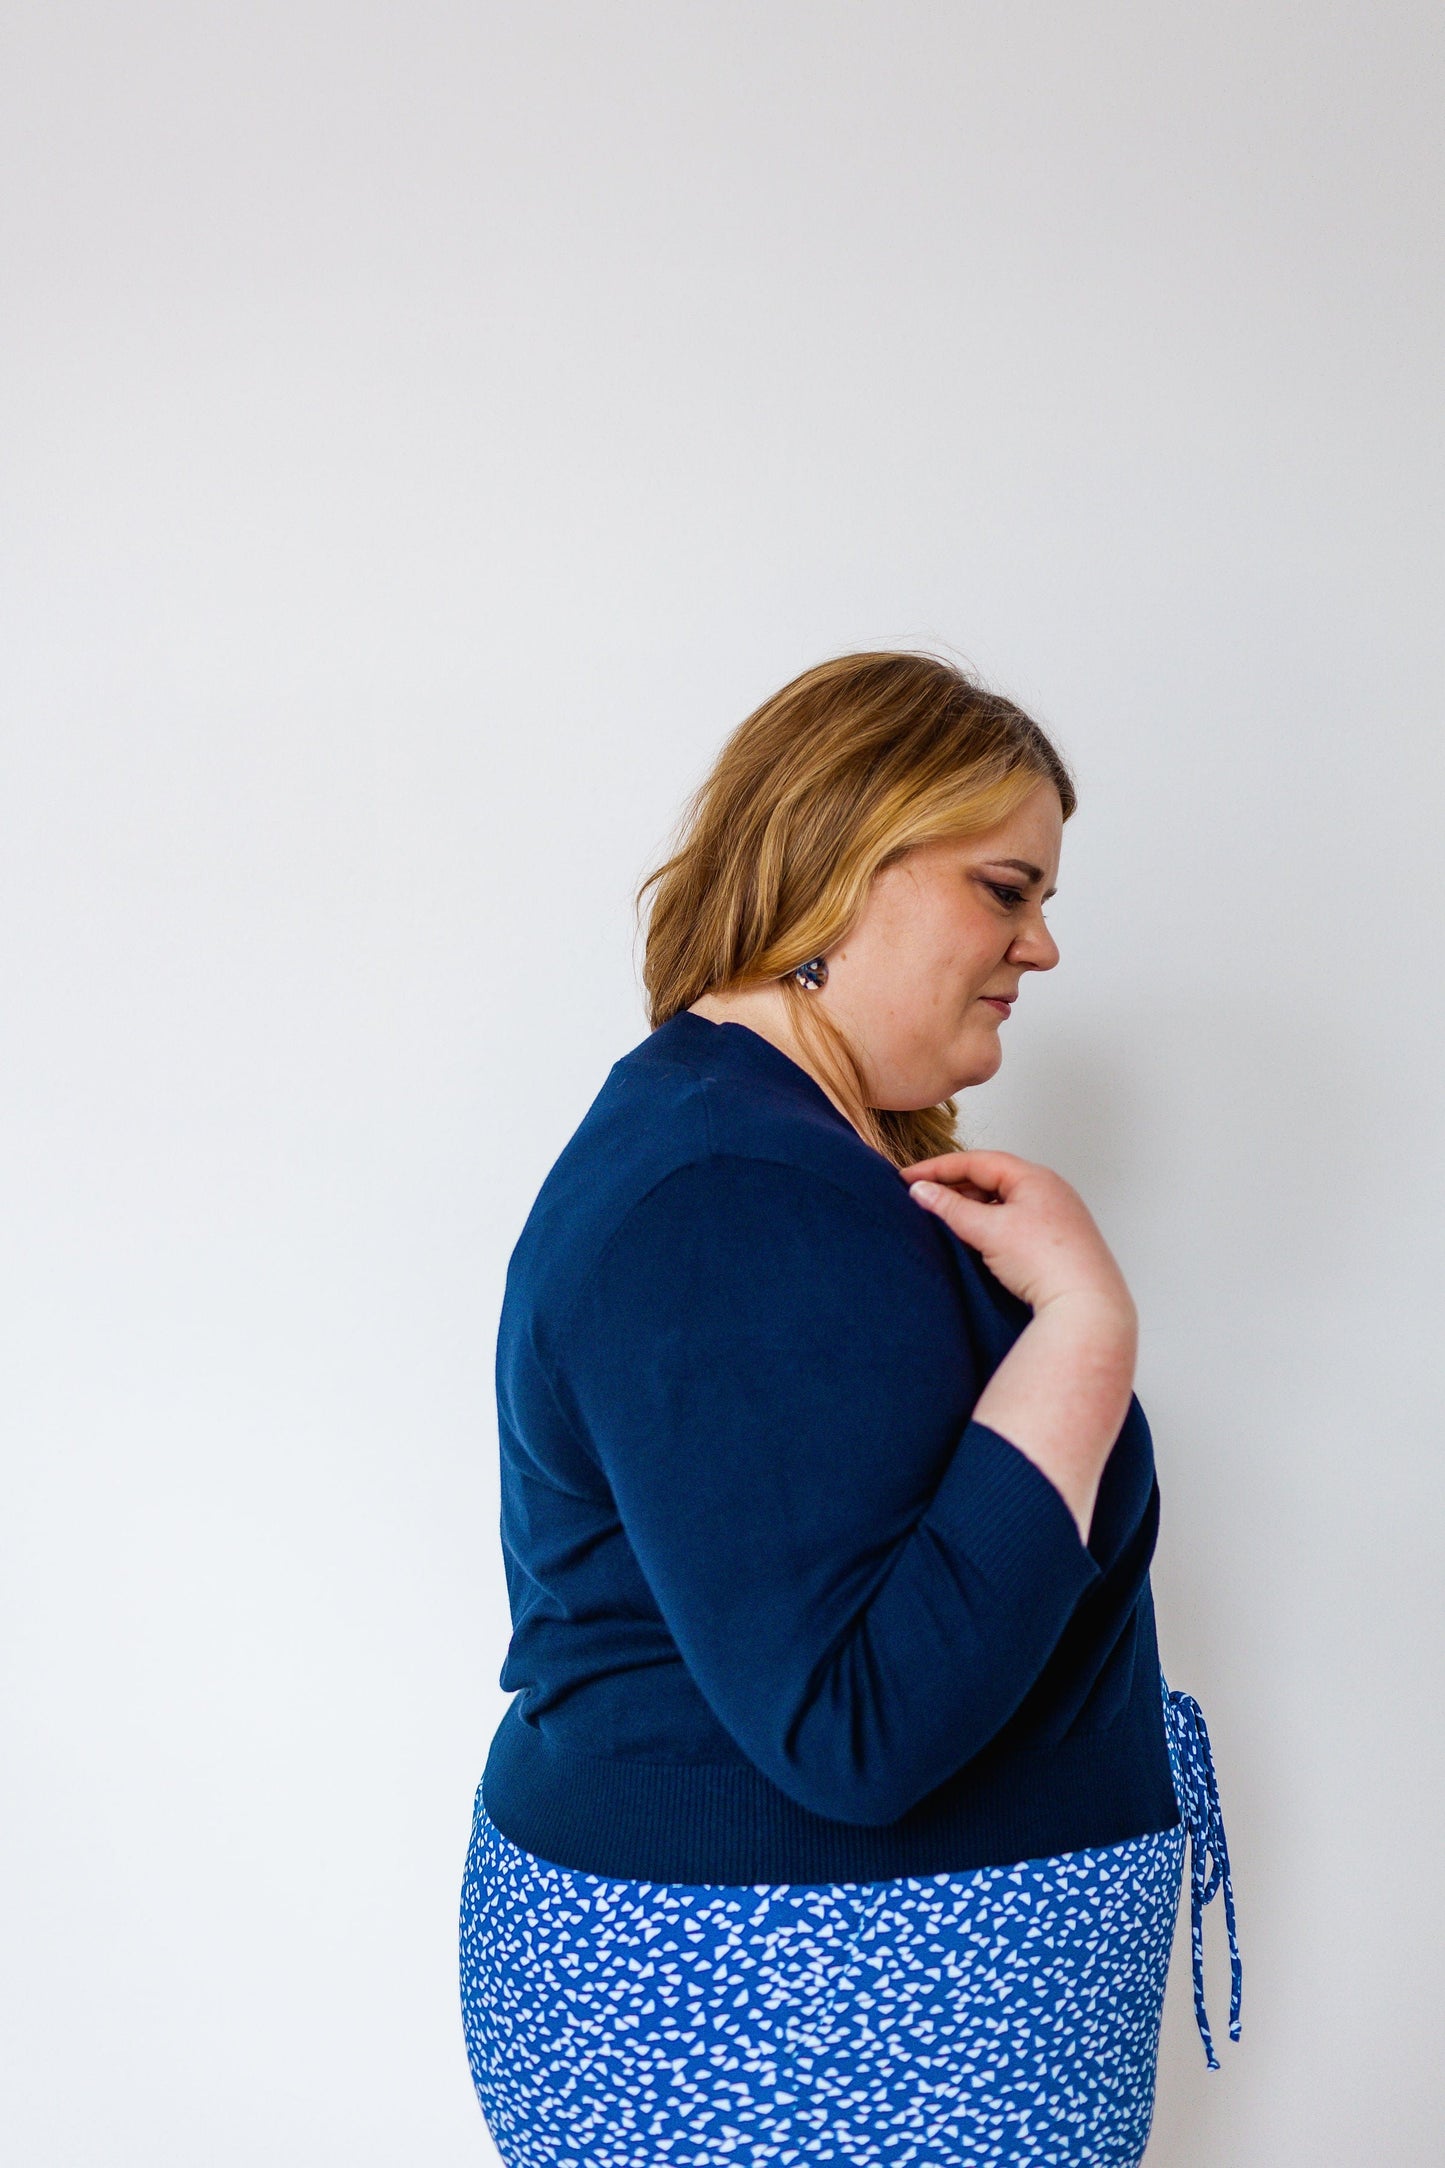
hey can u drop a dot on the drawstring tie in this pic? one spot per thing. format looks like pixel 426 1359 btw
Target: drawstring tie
pixel 1197 1788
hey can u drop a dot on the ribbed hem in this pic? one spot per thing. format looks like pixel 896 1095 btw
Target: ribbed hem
pixel 724 1822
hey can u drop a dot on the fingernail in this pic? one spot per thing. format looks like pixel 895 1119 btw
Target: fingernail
pixel 925 1192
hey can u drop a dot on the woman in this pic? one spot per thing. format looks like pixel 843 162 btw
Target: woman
pixel 838 1813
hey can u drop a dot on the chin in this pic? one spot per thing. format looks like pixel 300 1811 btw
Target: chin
pixel 969 1065
pixel 975 1069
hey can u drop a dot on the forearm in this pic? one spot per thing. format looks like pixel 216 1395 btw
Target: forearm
pixel 1061 1393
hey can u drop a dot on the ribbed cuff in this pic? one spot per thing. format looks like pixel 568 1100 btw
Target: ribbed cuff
pixel 1006 1518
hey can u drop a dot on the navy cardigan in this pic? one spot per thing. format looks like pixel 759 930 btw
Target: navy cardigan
pixel 782 1611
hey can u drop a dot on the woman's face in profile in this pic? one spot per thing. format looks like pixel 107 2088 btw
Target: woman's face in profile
pixel 923 980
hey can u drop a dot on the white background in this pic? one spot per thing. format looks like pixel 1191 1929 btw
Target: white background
pixel 430 429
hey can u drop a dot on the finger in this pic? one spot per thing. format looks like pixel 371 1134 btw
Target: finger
pixel 972 1219
pixel 995 1171
pixel 963 1186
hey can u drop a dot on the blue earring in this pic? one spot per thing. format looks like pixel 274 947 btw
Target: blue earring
pixel 811 974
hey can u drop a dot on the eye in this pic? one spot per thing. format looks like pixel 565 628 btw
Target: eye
pixel 1011 898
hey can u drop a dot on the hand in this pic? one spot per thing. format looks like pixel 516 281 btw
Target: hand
pixel 1033 1231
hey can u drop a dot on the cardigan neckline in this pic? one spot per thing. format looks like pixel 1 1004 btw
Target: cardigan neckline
pixel 751 1050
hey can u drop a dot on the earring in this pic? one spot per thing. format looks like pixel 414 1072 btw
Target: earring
pixel 812 974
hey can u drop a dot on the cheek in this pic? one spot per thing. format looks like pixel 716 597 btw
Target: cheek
pixel 946 981
pixel 934 954
pixel 969 954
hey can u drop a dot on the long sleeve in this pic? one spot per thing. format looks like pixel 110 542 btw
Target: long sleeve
pixel 776 1382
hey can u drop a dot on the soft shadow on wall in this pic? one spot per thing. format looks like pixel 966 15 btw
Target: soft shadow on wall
pixel 1237 1158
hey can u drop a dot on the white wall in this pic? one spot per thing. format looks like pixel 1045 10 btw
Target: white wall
pixel 431 428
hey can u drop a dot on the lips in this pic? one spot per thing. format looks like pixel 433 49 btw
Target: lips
pixel 1002 1002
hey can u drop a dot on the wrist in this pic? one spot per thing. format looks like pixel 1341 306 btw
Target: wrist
pixel 1105 1314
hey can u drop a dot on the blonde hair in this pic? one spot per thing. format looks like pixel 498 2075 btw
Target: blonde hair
pixel 842 771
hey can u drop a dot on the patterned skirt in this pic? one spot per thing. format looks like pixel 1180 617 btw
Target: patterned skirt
pixel 1007 2015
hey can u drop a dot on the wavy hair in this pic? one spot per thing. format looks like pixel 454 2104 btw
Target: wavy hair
pixel 842 771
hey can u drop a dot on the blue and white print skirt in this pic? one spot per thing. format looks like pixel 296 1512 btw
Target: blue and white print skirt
pixel 1002 2016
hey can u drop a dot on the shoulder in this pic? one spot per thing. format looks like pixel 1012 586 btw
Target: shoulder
pixel 714 1153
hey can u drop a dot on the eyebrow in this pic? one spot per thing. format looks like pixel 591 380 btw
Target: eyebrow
pixel 1021 865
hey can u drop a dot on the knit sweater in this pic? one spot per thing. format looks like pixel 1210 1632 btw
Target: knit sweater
pixel 782 1610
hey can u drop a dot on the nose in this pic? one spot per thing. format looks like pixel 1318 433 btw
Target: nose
pixel 1033 946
